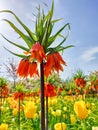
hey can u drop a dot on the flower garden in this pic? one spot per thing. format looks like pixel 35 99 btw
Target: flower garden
pixel 50 103
pixel 68 109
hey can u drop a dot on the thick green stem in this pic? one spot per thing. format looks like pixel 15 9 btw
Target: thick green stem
pixel 42 97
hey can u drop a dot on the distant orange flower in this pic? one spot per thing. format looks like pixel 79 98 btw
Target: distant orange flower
pixel 4 91
pixel 18 95
pixel 27 68
pixel 50 90
pixel 60 90
pixel 54 62
pixel 37 52
pixel 80 82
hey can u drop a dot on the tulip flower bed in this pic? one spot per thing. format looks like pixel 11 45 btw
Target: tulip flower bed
pixel 64 113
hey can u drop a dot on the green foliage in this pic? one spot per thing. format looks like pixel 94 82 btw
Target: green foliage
pixel 20 88
pixel 3 81
pixel 44 26
pixel 79 74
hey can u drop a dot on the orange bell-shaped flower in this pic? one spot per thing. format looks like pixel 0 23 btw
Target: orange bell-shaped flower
pixel 54 62
pixel 27 68
pixel 50 90
pixel 37 52
pixel 22 68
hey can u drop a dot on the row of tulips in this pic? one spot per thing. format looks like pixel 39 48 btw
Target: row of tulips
pixel 65 113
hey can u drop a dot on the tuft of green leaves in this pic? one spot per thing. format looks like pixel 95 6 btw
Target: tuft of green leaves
pixel 44 26
pixel 3 81
pixel 20 87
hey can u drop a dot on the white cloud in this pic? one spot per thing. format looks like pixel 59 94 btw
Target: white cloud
pixel 89 55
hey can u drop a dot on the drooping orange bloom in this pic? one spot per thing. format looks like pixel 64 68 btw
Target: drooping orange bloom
pixel 4 92
pixel 54 63
pixel 37 52
pixel 80 82
pixel 32 69
pixel 23 68
pixel 18 95
pixel 27 68
pixel 49 90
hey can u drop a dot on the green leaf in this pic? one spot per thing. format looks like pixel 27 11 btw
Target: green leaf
pixel 19 55
pixel 32 36
pixel 15 44
pixel 56 20
pixel 22 35
pixel 43 26
pixel 61 48
pixel 45 38
pixel 48 27
pixel 60 43
pixel 53 38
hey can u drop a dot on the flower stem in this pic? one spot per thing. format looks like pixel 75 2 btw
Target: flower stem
pixel 19 113
pixel 0 103
pixel 83 124
pixel 46 113
pixel 42 97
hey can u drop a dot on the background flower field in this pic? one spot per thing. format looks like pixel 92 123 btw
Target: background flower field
pixel 68 109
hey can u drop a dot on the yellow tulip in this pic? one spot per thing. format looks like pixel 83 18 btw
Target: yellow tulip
pixel 4 126
pixel 58 112
pixel 15 111
pixel 65 116
pixel 65 108
pixel 60 126
pixel 72 118
pixel 35 116
pixel 88 105
pixel 80 109
pixel 54 101
pixel 30 109
pixel 53 113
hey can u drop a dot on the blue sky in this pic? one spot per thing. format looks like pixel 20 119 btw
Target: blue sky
pixel 83 18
